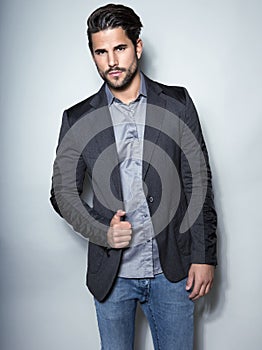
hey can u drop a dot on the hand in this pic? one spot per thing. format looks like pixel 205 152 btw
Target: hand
pixel 200 280
pixel 119 233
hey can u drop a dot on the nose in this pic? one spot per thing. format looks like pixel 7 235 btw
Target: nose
pixel 112 59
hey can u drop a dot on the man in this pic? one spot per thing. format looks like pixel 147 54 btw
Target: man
pixel 152 224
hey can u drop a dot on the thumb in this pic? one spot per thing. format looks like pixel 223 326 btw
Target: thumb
pixel 116 218
pixel 190 280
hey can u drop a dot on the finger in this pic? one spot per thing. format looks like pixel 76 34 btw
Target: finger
pixel 190 281
pixel 204 289
pixel 195 291
pixel 115 233
pixel 117 217
pixel 194 294
pixel 121 226
pixel 208 287
pixel 119 245
pixel 201 292
pixel 121 234
pixel 120 241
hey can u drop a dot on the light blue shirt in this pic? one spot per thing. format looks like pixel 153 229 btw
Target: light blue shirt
pixel 141 259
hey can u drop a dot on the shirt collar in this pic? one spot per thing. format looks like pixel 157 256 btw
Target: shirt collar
pixel 142 90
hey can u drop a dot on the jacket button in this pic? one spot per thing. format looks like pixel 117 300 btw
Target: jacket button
pixel 151 199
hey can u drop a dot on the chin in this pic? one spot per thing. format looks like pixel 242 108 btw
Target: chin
pixel 116 84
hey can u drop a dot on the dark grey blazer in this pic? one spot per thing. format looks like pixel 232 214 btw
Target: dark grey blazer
pixel 171 121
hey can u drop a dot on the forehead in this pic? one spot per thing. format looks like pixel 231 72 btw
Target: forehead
pixel 109 38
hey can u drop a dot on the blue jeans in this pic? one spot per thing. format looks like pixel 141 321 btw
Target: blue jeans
pixel 166 306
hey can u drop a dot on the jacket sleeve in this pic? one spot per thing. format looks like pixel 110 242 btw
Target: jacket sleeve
pixel 69 172
pixel 197 185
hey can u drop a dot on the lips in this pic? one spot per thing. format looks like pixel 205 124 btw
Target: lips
pixel 115 73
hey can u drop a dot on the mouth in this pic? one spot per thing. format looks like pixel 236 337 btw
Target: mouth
pixel 115 73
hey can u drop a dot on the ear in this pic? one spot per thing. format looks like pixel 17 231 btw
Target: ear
pixel 139 48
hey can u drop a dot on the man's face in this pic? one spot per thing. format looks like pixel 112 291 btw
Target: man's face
pixel 115 57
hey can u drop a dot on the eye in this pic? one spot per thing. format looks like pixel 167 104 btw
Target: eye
pixel 120 48
pixel 100 52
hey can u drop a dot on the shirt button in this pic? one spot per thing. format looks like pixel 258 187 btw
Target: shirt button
pixel 151 199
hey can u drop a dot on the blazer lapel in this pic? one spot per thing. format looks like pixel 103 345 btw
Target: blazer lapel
pixel 155 115
pixel 103 121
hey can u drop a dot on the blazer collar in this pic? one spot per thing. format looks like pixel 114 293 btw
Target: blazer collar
pixel 154 91
pixel 99 99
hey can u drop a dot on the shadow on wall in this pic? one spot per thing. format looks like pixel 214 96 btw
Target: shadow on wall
pixel 146 62
pixel 211 307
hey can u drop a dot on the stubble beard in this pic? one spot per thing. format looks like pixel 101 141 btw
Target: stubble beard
pixel 117 84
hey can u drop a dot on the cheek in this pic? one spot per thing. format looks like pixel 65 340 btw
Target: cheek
pixel 99 62
pixel 130 61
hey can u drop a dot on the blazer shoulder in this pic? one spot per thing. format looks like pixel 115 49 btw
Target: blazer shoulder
pixel 177 92
pixel 96 100
pixel 80 108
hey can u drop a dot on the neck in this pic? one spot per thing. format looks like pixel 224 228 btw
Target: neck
pixel 130 92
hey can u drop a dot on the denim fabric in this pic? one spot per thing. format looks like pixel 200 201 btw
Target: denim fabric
pixel 166 306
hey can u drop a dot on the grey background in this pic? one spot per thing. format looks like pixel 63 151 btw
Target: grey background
pixel 214 49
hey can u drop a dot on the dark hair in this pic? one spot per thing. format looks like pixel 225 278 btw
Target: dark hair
pixel 113 16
